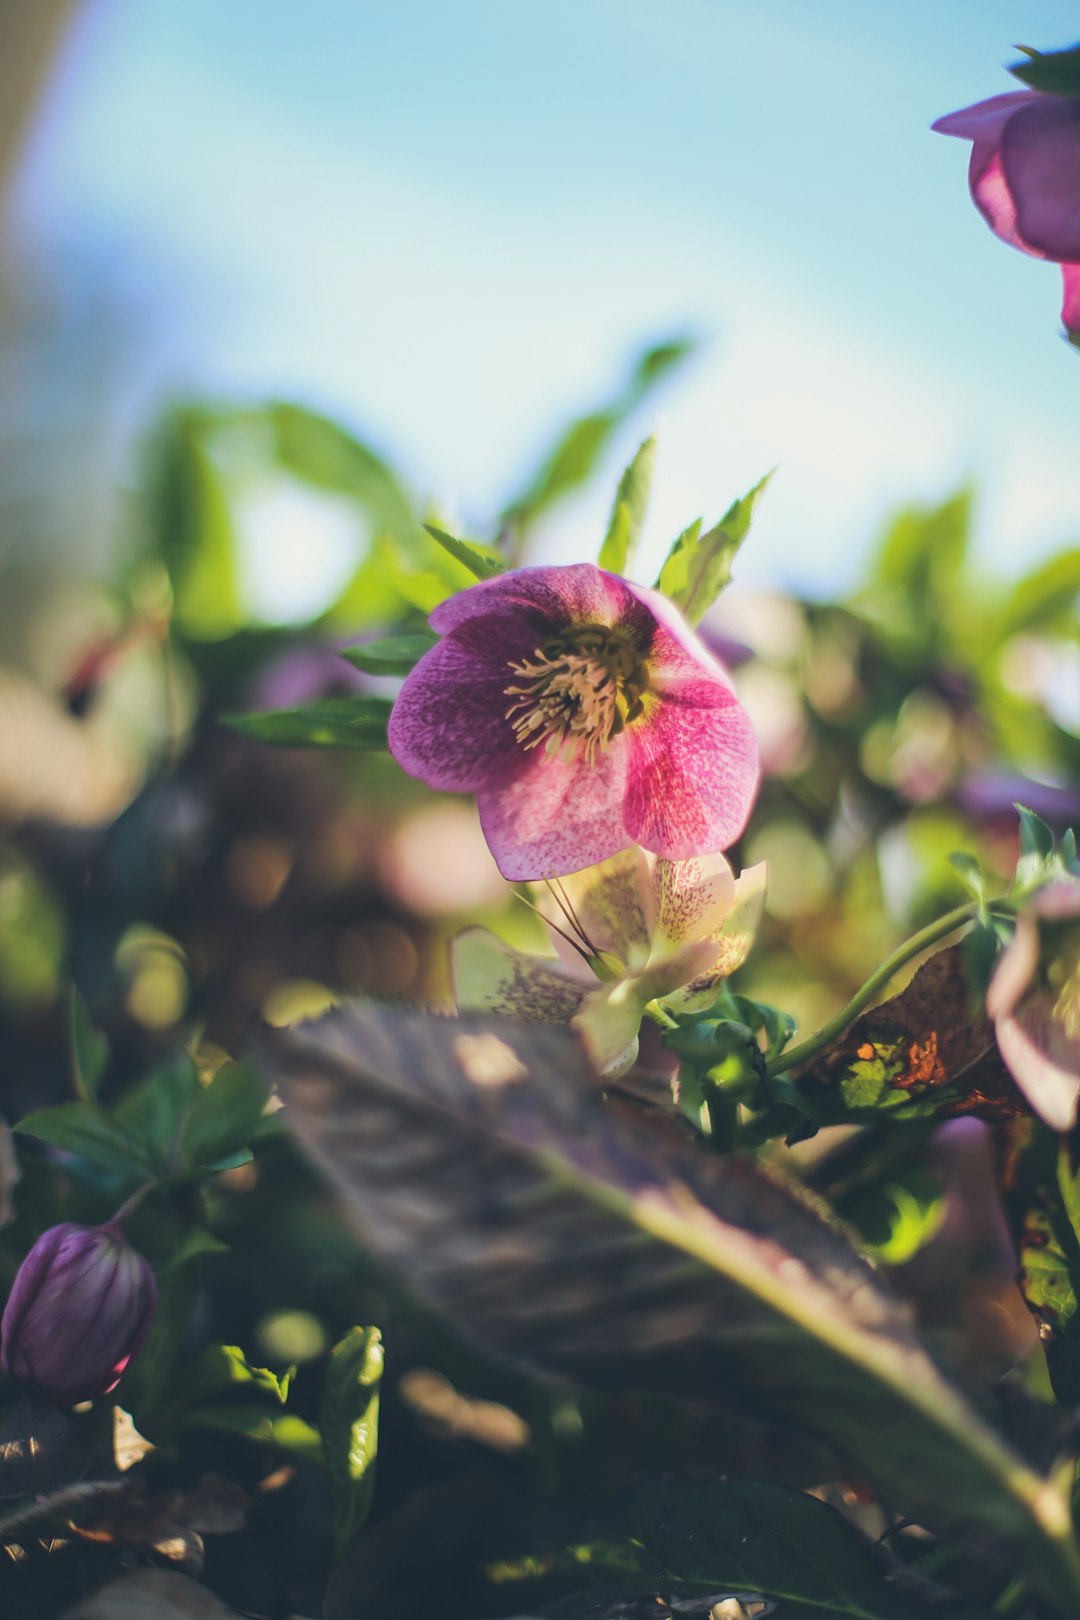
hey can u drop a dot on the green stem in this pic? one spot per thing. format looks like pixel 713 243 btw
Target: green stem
pixel 797 1055
pixel 654 1011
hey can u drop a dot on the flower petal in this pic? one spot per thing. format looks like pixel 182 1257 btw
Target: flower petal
pixel 986 119
pixel 1070 304
pixel 608 1024
pixel 694 772
pixel 1014 970
pixel 676 651
pixel 449 724
pixel 732 943
pixel 613 904
pixel 490 976
pixel 555 817
pixel 1040 152
pixel 1043 1061
pixel 992 197
pixel 692 899
pixel 548 598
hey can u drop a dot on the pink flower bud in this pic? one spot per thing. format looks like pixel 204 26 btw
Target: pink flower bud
pixel 79 1311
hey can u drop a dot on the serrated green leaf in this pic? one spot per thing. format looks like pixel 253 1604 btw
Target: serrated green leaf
pixel 628 512
pixel 79 1128
pixel 1057 73
pixel 352 722
pixel 639 1260
pixel 393 655
pixel 89 1049
pixel 698 566
pixel 224 1115
pixel 349 1426
pixel 479 560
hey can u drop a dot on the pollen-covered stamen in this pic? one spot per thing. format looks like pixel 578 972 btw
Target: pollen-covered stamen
pixel 580 690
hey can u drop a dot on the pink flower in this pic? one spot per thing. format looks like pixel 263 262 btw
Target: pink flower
pixel 585 715
pixel 1025 177
pixel 1034 1000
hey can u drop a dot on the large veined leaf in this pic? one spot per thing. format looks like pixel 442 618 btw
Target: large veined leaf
pixel 477 1156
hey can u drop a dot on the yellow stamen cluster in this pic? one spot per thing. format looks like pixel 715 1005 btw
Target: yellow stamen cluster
pixel 580 690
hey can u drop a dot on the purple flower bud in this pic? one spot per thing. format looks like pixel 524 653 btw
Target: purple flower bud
pixel 79 1311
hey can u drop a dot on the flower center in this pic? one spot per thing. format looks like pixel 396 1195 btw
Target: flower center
pixel 577 691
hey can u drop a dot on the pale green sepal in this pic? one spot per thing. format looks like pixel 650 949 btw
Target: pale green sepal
pixel 490 976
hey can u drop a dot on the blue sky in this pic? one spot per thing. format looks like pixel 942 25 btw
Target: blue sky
pixel 453 223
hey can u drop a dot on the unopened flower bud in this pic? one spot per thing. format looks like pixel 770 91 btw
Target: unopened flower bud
pixel 79 1311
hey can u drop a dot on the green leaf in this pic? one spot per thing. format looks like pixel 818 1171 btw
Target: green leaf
pixel 479 560
pixel 351 722
pixel 224 1115
pixel 284 1430
pixel 78 1128
pixel 89 1049
pixel 1042 1199
pixel 1036 848
pixel 640 1261
pixel 196 1242
pixel 1044 598
pixel 628 513
pixel 194 528
pixel 575 455
pixel 749 1536
pixel 326 455
pixel 154 1112
pixel 968 869
pixel 394 655
pixel 349 1426
pixel 698 566
pixel 922 558
pixel 1055 72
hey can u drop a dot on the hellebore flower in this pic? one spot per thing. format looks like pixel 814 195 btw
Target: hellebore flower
pixel 644 927
pixel 1034 1000
pixel 585 715
pixel 1025 178
pixel 79 1311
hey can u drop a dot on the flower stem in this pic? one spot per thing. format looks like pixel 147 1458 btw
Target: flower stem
pixel 797 1055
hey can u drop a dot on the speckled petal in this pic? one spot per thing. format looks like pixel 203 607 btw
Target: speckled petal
pixel 555 817
pixel 613 904
pixel 547 598
pixel 490 976
pixel 692 899
pixel 449 724
pixel 731 944
pixel 694 773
